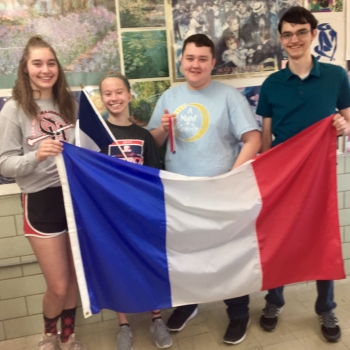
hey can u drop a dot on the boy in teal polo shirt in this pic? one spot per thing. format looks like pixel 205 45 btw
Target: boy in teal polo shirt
pixel 292 99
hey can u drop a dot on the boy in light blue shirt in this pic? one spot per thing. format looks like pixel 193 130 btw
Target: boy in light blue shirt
pixel 211 119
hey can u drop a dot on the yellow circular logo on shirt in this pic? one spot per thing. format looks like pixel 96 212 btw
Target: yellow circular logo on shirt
pixel 192 122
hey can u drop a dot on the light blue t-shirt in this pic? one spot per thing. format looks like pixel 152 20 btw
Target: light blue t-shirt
pixel 209 126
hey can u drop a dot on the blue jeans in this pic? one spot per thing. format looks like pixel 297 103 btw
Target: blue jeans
pixel 324 302
pixel 237 307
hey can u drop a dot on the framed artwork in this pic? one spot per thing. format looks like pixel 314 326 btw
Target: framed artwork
pixel 329 46
pixel 244 32
pixel 145 54
pixel 82 32
pixel 325 5
pixel 141 13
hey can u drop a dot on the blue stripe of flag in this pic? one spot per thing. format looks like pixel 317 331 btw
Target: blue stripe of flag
pixel 124 258
pixel 91 125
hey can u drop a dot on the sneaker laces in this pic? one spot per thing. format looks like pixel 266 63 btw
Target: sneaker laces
pixel 271 310
pixel 328 319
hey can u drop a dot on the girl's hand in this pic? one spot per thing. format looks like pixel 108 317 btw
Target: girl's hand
pixel 165 120
pixel 48 148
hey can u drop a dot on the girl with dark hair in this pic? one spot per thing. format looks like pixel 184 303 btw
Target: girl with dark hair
pixel 33 124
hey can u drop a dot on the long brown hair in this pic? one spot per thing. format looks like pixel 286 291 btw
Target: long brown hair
pixel 23 92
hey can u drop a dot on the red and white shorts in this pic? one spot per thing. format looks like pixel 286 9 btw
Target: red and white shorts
pixel 43 213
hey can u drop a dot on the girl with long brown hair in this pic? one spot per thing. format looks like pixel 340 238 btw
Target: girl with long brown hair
pixel 33 126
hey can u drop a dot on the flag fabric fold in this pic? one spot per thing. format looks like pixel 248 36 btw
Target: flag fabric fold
pixel 146 239
pixel 91 129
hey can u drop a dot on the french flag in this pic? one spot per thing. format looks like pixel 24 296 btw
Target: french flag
pixel 91 131
pixel 146 239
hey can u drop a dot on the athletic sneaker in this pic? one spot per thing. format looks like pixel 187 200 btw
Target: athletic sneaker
pixel 236 331
pixel 125 338
pixel 268 321
pixel 161 335
pixel 180 316
pixel 330 328
pixel 49 342
pixel 72 344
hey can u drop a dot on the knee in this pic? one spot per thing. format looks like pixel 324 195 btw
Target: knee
pixel 58 290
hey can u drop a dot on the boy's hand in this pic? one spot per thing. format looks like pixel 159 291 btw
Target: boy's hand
pixel 340 124
pixel 165 120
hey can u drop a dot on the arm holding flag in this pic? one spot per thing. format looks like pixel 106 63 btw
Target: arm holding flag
pixel 266 134
pixel 341 121
pixel 252 144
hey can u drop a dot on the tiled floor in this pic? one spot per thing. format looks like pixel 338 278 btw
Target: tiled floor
pixel 298 327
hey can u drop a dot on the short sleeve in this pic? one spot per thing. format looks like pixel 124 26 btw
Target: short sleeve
pixel 157 114
pixel 242 117
pixel 264 108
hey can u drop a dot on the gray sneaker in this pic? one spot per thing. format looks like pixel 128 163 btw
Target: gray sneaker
pixel 161 334
pixel 125 338
pixel 269 318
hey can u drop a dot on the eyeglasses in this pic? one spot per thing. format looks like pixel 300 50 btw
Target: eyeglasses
pixel 300 34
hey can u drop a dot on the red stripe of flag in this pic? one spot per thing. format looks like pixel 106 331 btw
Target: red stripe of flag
pixel 299 195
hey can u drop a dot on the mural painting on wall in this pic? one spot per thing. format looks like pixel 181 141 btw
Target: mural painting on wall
pixel 144 98
pixel 141 13
pixel 145 54
pixel 83 33
pixel 325 5
pixel 244 32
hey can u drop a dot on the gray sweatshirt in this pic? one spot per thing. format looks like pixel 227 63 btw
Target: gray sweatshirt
pixel 20 137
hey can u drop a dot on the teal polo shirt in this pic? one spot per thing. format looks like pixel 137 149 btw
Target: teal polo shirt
pixel 294 104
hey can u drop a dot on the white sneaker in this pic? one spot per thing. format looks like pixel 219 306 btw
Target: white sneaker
pixel 49 341
pixel 72 344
